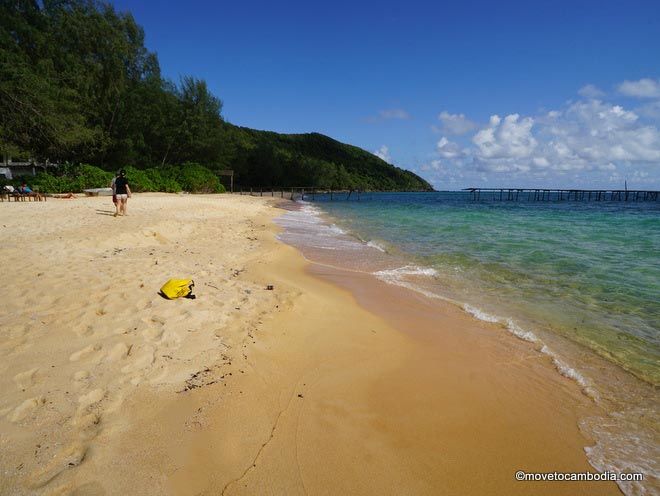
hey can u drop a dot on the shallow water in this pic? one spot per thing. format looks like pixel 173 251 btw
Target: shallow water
pixel 580 280
pixel 588 270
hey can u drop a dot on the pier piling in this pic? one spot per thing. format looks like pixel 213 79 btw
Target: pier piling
pixel 539 194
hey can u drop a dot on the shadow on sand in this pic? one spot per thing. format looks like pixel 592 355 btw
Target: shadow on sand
pixel 105 212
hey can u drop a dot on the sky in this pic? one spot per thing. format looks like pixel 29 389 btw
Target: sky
pixel 467 93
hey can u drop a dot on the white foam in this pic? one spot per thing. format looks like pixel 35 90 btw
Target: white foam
pixel 336 229
pixel 375 245
pixel 396 278
pixel 408 270
pixel 520 333
pixel 306 227
pixel 623 446
pixel 479 314
pixel 562 367
pixel 569 372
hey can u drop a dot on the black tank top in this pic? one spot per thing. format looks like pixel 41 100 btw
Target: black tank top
pixel 120 186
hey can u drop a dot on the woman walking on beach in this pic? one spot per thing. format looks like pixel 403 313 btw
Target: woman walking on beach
pixel 112 185
pixel 122 192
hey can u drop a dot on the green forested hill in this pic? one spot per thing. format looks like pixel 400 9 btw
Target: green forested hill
pixel 263 158
pixel 78 85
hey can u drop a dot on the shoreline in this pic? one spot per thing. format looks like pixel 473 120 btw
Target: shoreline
pixel 311 387
pixel 624 431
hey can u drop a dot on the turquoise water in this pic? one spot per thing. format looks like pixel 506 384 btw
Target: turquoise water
pixel 587 271
pixel 580 281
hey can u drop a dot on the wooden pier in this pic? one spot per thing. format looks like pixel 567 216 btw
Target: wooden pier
pixel 302 193
pixel 542 194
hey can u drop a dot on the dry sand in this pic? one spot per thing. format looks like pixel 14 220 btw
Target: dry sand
pixel 329 384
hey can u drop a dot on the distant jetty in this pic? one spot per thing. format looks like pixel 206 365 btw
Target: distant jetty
pixel 544 194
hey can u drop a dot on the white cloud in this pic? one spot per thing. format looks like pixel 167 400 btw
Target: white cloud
pixel 390 114
pixel 384 154
pixel 590 91
pixel 443 174
pixel 434 165
pixel 585 135
pixel 588 134
pixel 508 138
pixel 455 123
pixel 650 110
pixel 448 149
pixel 644 88
pixel 586 142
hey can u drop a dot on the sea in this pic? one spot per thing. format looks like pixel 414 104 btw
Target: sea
pixel 578 280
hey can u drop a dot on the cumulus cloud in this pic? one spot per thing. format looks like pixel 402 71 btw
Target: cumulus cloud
pixel 588 142
pixel 456 124
pixel 510 137
pixel 592 133
pixel 390 114
pixel 650 110
pixel 643 88
pixel 584 142
pixel 591 91
pixel 449 149
pixel 443 173
pixel 383 153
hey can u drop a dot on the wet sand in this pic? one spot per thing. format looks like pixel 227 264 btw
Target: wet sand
pixel 331 383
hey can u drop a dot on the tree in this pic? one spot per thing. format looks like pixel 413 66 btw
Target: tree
pixel 77 84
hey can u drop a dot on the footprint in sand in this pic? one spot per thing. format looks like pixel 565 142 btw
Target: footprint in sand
pixel 71 456
pixel 11 345
pixel 121 330
pixel 143 359
pixel 71 489
pixel 83 330
pixel 170 339
pixel 81 375
pixel 153 333
pixel 160 376
pixel 119 352
pixel 159 237
pixel 87 425
pixel 143 304
pixel 85 352
pixel 158 319
pixel 18 332
pixel 25 379
pixel 26 408
pixel 91 398
pixel 116 403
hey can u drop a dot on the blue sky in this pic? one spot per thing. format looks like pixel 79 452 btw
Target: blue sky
pixel 470 93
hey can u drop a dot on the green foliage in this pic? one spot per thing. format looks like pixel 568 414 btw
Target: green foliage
pixel 140 181
pixel 75 178
pixel 71 178
pixel 88 176
pixel 47 183
pixel 262 158
pixel 77 84
pixel 162 182
pixel 194 178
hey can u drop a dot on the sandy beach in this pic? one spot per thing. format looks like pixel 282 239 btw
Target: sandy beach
pixel 330 383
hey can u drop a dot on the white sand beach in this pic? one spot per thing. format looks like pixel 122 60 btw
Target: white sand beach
pixel 313 387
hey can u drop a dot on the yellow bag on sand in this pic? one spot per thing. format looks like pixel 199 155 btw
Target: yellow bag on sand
pixel 178 288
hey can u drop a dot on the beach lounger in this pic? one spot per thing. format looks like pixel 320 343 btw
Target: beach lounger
pixel 16 196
